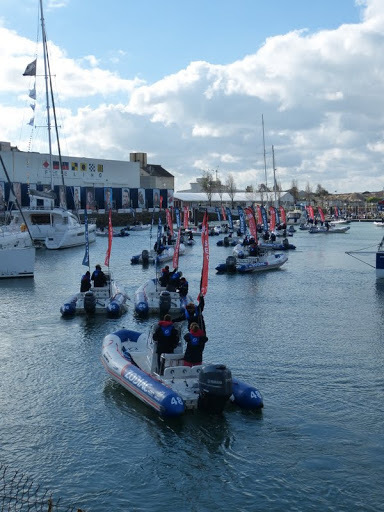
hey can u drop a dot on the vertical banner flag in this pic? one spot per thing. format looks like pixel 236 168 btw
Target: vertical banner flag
pixel 218 213
pixel 205 243
pixel 264 217
pixel 282 215
pixel 186 217
pixel 243 228
pixel 277 216
pixel 86 255
pixel 177 213
pixel 252 223
pixel 230 220
pixel 159 233
pixel 311 212
pixel 321 213
pixel 175 261
pixel 110 237
pixel 169 220
pixel 259 216
pixel 223 213
pixel 272 213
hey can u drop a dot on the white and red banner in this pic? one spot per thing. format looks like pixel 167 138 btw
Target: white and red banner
pixel 321 213
pixel 272 222
pixel 205 244
pixel 186 217
pixel 223 213
pixel 110 237
pixel 251 222
pixel 175 261
pixel 169 220
pixel 259 216
pixel 311 213
pixel 282 215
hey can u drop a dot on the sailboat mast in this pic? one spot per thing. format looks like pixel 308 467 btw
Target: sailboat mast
pixel 265 160
pixel 44 39
pixel 274 175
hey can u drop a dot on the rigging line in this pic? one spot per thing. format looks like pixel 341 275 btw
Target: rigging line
pixel 362 261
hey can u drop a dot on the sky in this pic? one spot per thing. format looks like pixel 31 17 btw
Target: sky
pixel 206 85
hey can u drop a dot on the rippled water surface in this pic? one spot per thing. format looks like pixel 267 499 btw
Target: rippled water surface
pixel 309 336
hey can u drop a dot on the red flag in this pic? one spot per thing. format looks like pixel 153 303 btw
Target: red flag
pixel 251 222
pixel 175 261
pixel 169 220
pixel 282 215
pixel 110 236
pixel 186 214
pixel 259 216
pixel 223 213
pixel 272 223
pixel 311 212
pixel 161 201
pixel 321 214
pixel 205 243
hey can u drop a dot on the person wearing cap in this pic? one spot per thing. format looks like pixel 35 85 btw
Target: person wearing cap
pixel 98 277
pixel 85 283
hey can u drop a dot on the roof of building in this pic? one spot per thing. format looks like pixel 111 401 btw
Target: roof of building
pixel 157 170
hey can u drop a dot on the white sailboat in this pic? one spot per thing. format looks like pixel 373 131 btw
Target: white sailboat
pixel 56 227
pixel 17 250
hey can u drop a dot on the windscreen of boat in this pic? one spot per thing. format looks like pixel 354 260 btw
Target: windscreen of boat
pixel 40 218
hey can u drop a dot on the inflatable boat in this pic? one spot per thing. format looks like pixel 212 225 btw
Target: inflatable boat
pixel 151 298
pixel 110 300
pixel 152 256
pixel 130 358
pixel 248 265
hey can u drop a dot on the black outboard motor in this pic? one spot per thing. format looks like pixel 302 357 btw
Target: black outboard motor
pixel 89 302
pixel 231 263
pixel 215 387
pixel 145 256
pixel 164 302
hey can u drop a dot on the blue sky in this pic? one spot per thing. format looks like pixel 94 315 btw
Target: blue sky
pixel 188 82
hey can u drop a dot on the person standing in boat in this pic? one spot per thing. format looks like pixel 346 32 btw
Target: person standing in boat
pixel 193 313
pixel 196 340
pixel 183 287
pixel 98 277
pixel 85 283
pixel 165 275
pixel 167 338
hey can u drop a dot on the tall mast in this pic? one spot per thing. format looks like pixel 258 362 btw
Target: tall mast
pixel 265 161
pixel 274 175
pixel 44 39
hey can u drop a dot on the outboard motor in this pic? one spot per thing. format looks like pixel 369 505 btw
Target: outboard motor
pixel 164 303
pixel 89 302
pixel 231 263
pixel 145 256
pixel 215 387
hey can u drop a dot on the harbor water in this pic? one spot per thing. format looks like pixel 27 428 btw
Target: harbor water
pixel 309 336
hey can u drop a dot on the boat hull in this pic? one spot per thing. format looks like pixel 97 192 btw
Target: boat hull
pixel 17 262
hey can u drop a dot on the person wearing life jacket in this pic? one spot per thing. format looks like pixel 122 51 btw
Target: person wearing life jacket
pixel 174 280
pixel 183 287
pixel 193 313
pixel 165 275
pixel 85 283
pixel 98 277
pixel 167 337
pixel 196 340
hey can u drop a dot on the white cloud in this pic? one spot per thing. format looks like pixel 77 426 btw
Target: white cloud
pixel 320 94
